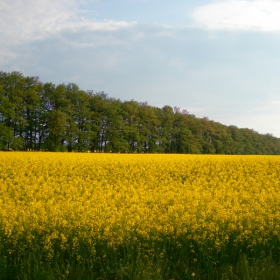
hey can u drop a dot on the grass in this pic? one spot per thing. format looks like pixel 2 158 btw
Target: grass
pixel 142 261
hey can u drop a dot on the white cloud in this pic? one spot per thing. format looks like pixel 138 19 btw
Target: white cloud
pixel 28 20
pixel 25 20
pixel 259 15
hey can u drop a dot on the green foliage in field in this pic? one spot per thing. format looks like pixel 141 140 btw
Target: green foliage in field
pixel 37 116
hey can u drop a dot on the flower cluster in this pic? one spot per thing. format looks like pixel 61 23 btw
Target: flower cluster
pixel 61 199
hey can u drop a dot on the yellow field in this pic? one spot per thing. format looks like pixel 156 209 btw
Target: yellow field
pixel 59 199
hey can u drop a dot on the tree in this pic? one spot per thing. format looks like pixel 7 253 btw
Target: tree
pixel 166 119
pixel 147 129
pixel 78 121
pixel 57 122
pixel 131 118
pixel 54 117
pixel 6 137
pixel 182 140
pixel 36 116
pixel 116 128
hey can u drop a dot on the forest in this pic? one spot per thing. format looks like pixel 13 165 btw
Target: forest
pixel 36 116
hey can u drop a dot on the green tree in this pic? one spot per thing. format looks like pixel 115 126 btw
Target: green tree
pixel 57 122
pixel 131 119
pixel 97 135
pixel 39 116
pixel 6 137
pixel 166 119
pixel 13 106
pixel 54 117
pixel 79 115
pixel 147 129
pixel 238 146
pixel 116 128
pixel 182 139
pixel 31 112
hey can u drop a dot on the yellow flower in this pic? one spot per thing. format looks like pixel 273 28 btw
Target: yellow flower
pixel 67 198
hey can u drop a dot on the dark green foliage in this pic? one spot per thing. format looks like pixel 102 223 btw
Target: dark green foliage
pixel 36 116
pixel 143 260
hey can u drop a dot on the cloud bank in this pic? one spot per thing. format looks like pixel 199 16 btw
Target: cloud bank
pixel 25 21
pixel 225 75
pixel 260 15
pixel 29 20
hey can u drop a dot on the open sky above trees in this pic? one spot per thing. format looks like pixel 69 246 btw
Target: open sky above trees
pixel 218 59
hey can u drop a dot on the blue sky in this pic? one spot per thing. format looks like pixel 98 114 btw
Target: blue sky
pixel 218 59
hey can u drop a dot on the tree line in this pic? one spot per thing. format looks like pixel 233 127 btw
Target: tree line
pixel 46 117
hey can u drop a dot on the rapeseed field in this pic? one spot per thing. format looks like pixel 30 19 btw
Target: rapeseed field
pixel 140 216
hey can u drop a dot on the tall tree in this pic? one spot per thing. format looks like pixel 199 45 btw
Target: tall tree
pixel 166 118
pixel 31 112
pixel 182 140
pixel 12 97
pixel 79 115
pixel 55 117
pixel 116 128
pixel 147 129
pixel 131 119
pixel 36 116
pixel 98 106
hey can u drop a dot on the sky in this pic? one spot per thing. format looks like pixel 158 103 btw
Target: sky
pixel 217 59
